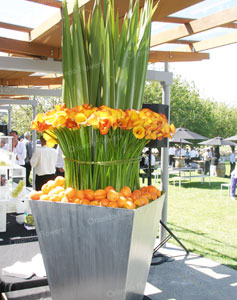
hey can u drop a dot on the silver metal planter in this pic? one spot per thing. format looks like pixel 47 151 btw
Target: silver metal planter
pixel 96 252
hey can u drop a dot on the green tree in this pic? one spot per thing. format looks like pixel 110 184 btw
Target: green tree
pixel 22 115
pixel 188 110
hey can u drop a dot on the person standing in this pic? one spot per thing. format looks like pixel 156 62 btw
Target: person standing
pixel 207 159
pixel 233 184
pixel 171 156
pixel 44 160
pixel 232 161
pixel 214 162
pixel 193 154
pixel 29 150
pixel 59 162
pixel 18 148
pixel 146 162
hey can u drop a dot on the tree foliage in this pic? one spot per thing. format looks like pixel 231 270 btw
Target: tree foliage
pixel 188 110
pixel 22 115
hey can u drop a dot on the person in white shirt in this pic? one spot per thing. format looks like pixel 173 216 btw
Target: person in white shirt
pixel 182 152
pixel 232 161
pixel 171 156
pixel 59 162
pixel 18 148
pixel 44 160
pixel 207 158
pixel 193 154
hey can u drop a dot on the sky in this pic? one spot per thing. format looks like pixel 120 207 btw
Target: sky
pixel 214 78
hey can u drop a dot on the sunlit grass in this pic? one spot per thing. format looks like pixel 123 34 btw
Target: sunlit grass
pixel 204 219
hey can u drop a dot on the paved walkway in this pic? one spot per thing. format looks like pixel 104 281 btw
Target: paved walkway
pixel 190 277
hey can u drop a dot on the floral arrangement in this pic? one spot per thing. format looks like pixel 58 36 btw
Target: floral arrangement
pixel 101 144
pixel 101 127
pixel 144 124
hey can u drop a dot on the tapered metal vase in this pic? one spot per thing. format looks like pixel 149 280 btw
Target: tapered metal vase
pixel 95 252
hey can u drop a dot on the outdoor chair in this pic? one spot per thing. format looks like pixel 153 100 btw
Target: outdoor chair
pixel 227 185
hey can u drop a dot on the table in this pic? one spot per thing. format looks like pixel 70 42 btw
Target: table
pixel 18 244
pixel 182 171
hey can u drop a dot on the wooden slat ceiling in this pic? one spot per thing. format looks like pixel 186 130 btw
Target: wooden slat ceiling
pixel 44 41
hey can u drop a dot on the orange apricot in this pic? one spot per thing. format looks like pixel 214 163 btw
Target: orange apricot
pixel 143 189
pixel 113 204
pixel 136 194
pixel 121 201
pixel 100 194
pixel 56 190
pixel 78 201
pixel 143 200
pixel 44 197
pixel 151 189
pixel 94 202
pixel 80 194
pixel 70 192
pixel 158 193
pixel 59 181
pixel 129 205
pixel 55 198
pixel 45 189
pixel 104 202
pixel 85 201
pixel 113 196
pixel 147 195
pixel 61 194
pixel 126 191
pixel 35 195
pixel 138 202
pixel 153 196
pixel 109 188
pixel 65 200
pixel 89 194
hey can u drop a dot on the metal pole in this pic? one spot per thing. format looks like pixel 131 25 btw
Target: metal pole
pixel 34 140
pixel 9 119
pixel 165 161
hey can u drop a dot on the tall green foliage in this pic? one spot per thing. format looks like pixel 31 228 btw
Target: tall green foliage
pixel 102 63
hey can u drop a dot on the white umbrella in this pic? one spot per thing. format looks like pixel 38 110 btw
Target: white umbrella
pixel 174 140
pixel 184 133
pixel 232 138
pixel 218 141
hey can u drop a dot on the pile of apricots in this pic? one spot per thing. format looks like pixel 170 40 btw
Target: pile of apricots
pixel 54 190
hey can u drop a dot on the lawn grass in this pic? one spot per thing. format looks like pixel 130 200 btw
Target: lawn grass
pixel 204 220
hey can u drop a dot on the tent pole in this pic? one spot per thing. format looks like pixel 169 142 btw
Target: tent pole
pixel 165 160
pixel 34 107
pixel 9 119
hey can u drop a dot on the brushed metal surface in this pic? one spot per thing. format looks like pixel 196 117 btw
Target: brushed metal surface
pixel 96 252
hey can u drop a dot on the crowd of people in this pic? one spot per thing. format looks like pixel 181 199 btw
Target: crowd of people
pixel 48 162
pixel 191 155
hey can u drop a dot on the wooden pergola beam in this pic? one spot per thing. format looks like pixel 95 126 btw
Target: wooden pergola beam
pixel 173 56
pixel 168 7
pixel 53 21
pixel 219 41
pixel 31 80
pixel 178 20
pixel 52 3
pixel 224 17
pixel 15 27
pixel 28 48
pixel 183 42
